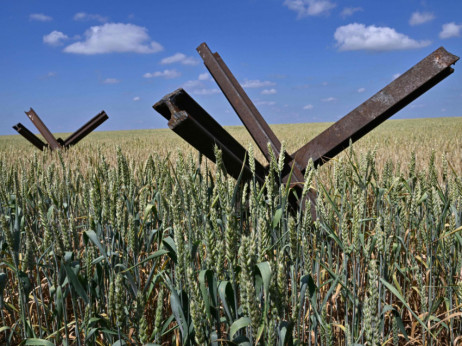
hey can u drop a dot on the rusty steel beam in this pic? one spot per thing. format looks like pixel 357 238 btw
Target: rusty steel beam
pixel 52 142
pixel 245 109
pixel 396 95
pixel 86 129
pixel 258 128
pixel 23 131
pixel 190 121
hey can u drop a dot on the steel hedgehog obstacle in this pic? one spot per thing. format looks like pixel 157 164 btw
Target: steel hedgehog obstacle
pixel 189 120
pixel 58 143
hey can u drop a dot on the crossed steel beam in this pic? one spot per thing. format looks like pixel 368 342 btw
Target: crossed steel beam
pixel 198 128
pixel 57 143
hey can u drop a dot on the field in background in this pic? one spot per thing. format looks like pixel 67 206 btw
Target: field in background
pixel 123 240
pixel 394 140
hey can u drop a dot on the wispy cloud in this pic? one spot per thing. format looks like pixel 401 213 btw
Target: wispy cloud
pixel 418 18
pixel 329 99
pixel 450 30
pixel 40 17
pixel 136 98
pixel 204 76
pixel 115 38
pixel 193 84
pixel 55 38
pixel 305 8
pixel 396 75
pixel 256 83
pixel 361 90
pixel 111 81
pixel 206 91
pixel 200 86
pixel 308 107
pixel 49 75
pixel 84 17
pixel 265 103
pixel 271 91
pixel 349 11
pixel 167 74
pixel 179 58
pixel 374 38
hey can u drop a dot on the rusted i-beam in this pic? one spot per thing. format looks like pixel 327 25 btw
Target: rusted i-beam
pixel 86 129
pixel 258 128
pixel 245 109
pixel 189 120
pixel 396 95
pixel 52 142
pixel 23 131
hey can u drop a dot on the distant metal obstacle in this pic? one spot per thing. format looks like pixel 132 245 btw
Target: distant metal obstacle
pixel 197 127
pixel 54 143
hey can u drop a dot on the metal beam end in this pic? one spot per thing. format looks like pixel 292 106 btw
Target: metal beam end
pixel 444 58
pixel 202 46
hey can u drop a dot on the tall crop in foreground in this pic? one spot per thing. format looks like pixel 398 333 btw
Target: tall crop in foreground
pixel 170 251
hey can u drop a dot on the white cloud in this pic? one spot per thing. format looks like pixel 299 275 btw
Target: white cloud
pixel 83 17
pixel 115 38
pixel 271 91
pixel 205 91
pixel 450 30
pixel 40 17
pixel 179 58
pixel 136 98
pixel 329 99
pixel 193 84
pixel 204 76
pixel 361 90
pixel 257 83
pixel 55 38
pixel 265 103
pixel 349 11
pixel 199 86
pixel 49 75
pixel 418 18
pixel 167 74
pixel 396 75
pixel 359 37
pixel 306 8
pixel 111 81
pixel 308 107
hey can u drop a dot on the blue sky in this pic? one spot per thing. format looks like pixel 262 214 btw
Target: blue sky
pixel 299 60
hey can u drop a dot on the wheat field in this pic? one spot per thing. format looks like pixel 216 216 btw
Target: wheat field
pixel 131 237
